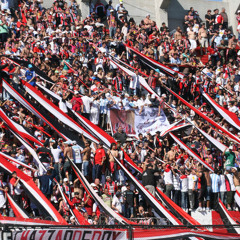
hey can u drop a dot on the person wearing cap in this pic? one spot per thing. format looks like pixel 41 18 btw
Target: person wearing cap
pixel 77 103
pixel 30 75
pixel 99 159
pixel 230 158
pixel 66 188
pixel 121 11
pixel 112 24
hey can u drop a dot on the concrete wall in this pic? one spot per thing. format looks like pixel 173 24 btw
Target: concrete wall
pixel 176 10
pixel 170 11
pixel 136 9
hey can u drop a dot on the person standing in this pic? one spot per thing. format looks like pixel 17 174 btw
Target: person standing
pixel 184 190
pixel 112 23
pixel 99 159
pixel 68 154
pixel 168 179
pixel 230 158
pixel 77 155
pixel 87 101
pixel 46 183
pixel 116 203
pixel 103 111
pixel 30 75
pixel 202 36
pixel 192 187
pixel 215 180
pixel 230 189
pixel 15 188
pixel 225 18
pixel 148 179
pixel 86 153
pixel 77 103
pixel 129 201
pixel 134 86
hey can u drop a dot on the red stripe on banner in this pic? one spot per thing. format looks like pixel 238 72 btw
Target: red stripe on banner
pixel 11 124
pixel 237 198
pixel 185 147
pixel 162 66
pixel 228 214
pixel 224 112
pixel 39 128
pixel 33 109
pixel 78 215
pixel 203 116
pixel 16 209
pixel 31 186
pixel 39 94
pixel 88 188
pixel 179 209
pixel 175 126
pixel 16 161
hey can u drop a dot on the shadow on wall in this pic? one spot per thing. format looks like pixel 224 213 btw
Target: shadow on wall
pixel 176 15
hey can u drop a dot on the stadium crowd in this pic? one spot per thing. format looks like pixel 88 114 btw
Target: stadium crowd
pixel 74 52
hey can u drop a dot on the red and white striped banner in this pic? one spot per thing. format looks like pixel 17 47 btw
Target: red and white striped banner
pixel 227 115
pixel 190 152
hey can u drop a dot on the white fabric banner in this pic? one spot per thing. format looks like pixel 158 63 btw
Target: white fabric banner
pixel 134 123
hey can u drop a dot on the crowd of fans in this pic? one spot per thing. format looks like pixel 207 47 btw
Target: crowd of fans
pixel 74 52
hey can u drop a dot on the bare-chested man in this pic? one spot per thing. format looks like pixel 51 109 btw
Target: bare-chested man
pixel 68 152
pixel 113 153
pixel 236 178
pixel 86 153
pixel 171 155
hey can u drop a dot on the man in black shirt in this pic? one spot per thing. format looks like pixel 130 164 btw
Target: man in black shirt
pixel 129 201
pixel 120 135
pixel 148 178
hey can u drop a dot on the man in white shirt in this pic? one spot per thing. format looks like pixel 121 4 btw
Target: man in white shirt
pixel 87 101
pixel 192 188
pixel 135 84
pixel 168 179
pixel 116 203
pixel 184 190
